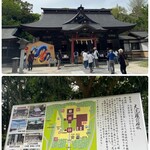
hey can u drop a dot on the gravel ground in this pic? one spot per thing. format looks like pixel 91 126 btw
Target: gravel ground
pixel 70 69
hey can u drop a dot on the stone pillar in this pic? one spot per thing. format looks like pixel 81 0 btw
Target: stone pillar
pixel 23 44
pixel 15 64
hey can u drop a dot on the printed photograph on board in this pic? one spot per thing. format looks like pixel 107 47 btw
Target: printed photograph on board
pixel 15 141
pixel 18 126
pixel 33 140
pixel 37 111
pixel 33 137
pixel 35 124
pixel 20 112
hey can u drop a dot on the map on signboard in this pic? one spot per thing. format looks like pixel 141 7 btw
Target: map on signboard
pixel 70 125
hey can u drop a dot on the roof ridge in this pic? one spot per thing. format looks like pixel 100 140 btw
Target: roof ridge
pixel 80 17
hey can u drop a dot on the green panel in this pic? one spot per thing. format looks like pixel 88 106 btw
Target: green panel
pixel 82 140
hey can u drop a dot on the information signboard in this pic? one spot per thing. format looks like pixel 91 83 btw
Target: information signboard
pixel 102 123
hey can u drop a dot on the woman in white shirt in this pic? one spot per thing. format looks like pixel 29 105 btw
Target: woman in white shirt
pixel 85 59
pixel 95 57
pixel 90 61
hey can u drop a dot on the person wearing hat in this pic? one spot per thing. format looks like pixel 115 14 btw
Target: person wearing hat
pixel 96 55
pixel 121 60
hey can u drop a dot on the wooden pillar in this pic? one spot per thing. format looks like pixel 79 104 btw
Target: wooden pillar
pixel 95 44
pixel 72 50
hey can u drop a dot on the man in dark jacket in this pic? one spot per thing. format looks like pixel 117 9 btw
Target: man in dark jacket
pixel 30 61
pixel 122 61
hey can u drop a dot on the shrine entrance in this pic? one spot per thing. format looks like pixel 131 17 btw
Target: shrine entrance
pixel 81 44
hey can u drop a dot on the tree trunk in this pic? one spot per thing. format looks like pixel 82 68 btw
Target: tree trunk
pixel 85 88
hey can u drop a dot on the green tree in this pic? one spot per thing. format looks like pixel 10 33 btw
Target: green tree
pixel 142 20
pixel 136 5
pixel 16 12
pixel 138 15
pixel 119 12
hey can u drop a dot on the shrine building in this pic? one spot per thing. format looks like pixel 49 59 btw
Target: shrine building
pixel 78 29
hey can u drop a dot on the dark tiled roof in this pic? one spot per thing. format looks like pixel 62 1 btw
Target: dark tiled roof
pixel 140 34
pixel 55 18
pixel 71 27
pixel 8 33
pixel 126 37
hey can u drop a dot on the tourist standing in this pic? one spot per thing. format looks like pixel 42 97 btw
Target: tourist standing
pixel 107 58
pixel 85 59
pixel 116 58
pixel 30 61
pixel 59 59
pixel 76 55
pixel 111 56
pixel 90 61
pixel 122 61
pixel 96 54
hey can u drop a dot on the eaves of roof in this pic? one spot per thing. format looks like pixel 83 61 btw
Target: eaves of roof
pixel 57 21
pixel 126 37
pixel 139 34
pixel 71 27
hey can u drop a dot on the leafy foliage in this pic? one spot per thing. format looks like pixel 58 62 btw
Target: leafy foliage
pixel 142 21
pixel 138 15
pixel 16 12
pixel 23 90
pixel 136 5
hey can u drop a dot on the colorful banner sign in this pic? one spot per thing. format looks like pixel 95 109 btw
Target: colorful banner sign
pixel 43 52
pixel 103 123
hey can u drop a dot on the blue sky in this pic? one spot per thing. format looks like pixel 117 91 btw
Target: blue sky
pixel 38 4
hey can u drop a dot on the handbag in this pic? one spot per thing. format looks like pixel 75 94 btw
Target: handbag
pixel 126 62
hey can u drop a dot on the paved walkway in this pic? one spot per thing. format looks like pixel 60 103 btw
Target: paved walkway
pixel 71 69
